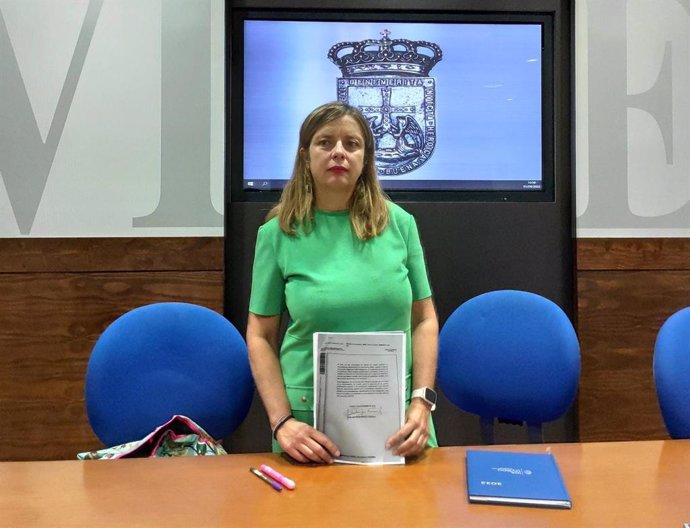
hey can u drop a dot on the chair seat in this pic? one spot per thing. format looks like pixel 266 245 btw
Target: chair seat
pixel 511 355
pixel 671 367
pixel 162 360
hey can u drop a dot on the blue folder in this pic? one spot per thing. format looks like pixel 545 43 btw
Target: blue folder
pixel 522 479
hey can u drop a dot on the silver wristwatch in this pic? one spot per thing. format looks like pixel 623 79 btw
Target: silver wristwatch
pixel 427 394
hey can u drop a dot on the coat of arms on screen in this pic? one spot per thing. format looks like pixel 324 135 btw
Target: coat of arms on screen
pixel 388 80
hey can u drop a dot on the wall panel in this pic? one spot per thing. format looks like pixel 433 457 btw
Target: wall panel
pixel 57 297
pixel 626 289
pixel 59 294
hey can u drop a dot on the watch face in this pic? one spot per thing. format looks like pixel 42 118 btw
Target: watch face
pixel 430 395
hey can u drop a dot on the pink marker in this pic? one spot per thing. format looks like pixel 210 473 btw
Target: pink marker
pixel 289 484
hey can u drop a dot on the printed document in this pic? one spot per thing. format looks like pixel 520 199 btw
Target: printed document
pixel 359 393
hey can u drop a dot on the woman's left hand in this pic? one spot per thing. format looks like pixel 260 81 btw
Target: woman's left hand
pixel 412 437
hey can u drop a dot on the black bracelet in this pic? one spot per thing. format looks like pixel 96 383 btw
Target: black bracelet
pixel 280 423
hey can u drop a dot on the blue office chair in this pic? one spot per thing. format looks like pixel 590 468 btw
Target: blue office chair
pixel 672 373
pixel 512 356
pixel 164 359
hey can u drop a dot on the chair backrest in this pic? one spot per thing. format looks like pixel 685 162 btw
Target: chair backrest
pixel 510 355
pixel 672 373
pixel 164 359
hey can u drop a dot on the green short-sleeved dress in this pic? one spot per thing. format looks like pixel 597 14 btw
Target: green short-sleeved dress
pixel 330 281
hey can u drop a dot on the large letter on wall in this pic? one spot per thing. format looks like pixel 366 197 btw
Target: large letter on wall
pixel 25 160
pixel 637 98
pixel 185 199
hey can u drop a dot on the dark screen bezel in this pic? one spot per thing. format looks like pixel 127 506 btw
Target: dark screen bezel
pixel 234 176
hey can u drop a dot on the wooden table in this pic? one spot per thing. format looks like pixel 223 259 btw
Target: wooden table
pixel 616 484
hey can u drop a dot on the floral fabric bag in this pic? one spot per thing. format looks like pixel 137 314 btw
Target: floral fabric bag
pixel 179 436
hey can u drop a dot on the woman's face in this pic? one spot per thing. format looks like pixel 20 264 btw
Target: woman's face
pixel 336 158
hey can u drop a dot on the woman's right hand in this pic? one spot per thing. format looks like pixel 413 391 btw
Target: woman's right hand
pixel 306 444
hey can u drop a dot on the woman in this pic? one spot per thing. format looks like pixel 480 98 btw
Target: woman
pixel 339 257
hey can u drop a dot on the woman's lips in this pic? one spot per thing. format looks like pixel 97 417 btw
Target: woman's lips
pixel 337 169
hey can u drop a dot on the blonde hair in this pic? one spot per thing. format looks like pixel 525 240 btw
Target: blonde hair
pixel 368 206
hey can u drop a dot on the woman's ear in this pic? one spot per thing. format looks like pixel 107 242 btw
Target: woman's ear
pixel 304 155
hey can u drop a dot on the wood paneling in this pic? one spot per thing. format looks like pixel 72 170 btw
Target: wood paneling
pixel 59 294
pixel 33 255
pixel 633 254
pixel 52 313
pixel 626 289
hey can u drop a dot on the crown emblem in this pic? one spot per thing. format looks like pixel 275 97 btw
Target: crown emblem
pixel 400 57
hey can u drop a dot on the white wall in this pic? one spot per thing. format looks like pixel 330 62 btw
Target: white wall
pixel 134 93
pixel 633 118
pixel 136 105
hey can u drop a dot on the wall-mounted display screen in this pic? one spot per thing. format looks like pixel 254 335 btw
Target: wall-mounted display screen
pixel 460 105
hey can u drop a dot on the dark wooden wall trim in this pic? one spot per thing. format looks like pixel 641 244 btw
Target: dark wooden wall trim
pixel 633 254
pixel 58 295
pixel 35 255
pixel 626 289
